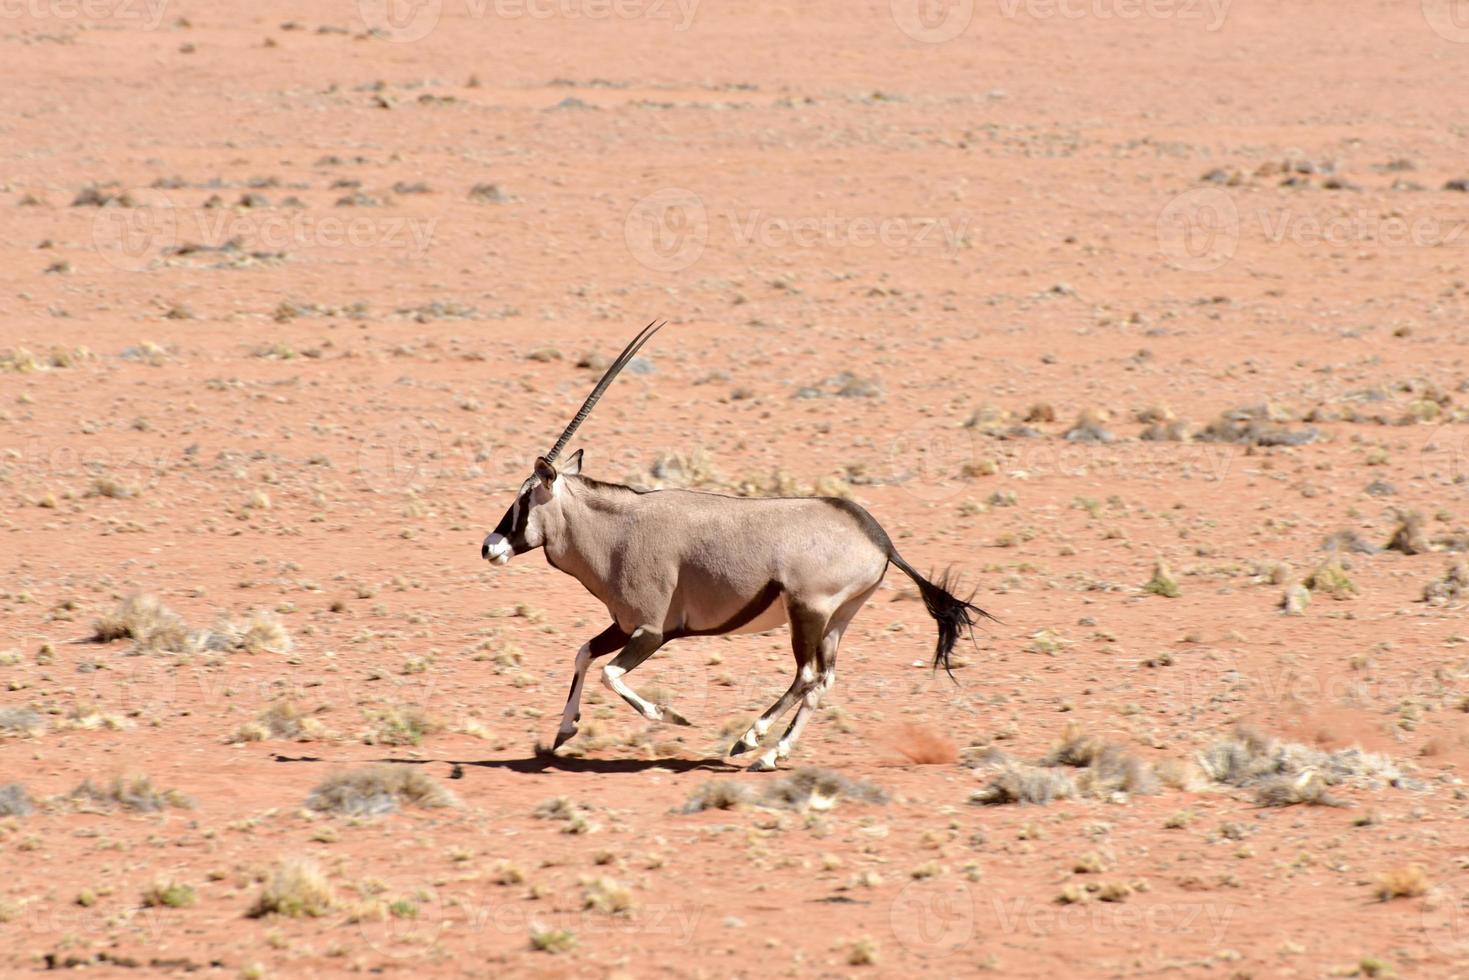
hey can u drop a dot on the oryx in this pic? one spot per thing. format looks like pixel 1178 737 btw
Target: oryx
pixel 675 563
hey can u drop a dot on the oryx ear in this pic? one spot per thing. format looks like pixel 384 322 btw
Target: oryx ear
pixel 573 465
pixel 545 472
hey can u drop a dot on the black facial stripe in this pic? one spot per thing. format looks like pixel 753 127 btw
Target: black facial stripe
pixel 513 525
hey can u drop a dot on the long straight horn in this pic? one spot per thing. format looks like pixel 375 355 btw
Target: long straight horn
pixel 627 354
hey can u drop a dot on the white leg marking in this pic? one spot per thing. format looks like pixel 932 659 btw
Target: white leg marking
pixel 809 703
pixel 573 702
pixel 612 678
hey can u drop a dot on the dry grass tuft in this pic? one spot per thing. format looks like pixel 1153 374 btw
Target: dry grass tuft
pixel 1308 787
pixel 1017 782
pixel 695 469
pixel 719 794
pixel 923 746
pixel 820 789
pixel 1162 583
pixel 296 888
pixel 14 802
pixel 1330 578
pixel 1404 881
pixel 21 723
pixel 604 894
pixel 546 940
pixel 1089 427
pixel 145 620
pixel 168 894
pixel 400 726
pixel 1283 770
pixel 1108 768
pixel 577 817
pixel 130 793
pixel 378 789
pixel 260 632
pixel 285 721
pixel 1449 587
pixel 1409 537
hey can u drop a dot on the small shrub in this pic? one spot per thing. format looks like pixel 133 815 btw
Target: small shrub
pixel 1331 579
pixel 1408 537
pixel 400 726
pixel 1404 881
pixel 130 793
pixel 1308 787
pixel 551 940
pixel 282 720
pixel 378 789
pixel 820 789
pixel 1020 783
pixel 719 794
pixel 604 894
pixel 169 894
pixel 151 625
pixel 260 632
pixel 296 888
pixel 1162 583
pixel 14 802
pixel 21 723
pixel 1451 586
pixel 863 952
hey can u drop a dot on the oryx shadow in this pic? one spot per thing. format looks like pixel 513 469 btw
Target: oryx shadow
pixel 546 762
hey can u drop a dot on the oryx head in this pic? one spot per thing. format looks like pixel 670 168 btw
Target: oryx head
pixel 536 512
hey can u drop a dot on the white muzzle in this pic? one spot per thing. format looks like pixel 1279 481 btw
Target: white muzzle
pixel 497 550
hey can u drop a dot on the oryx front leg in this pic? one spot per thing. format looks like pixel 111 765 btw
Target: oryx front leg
pixel 644 644
pixel 608 641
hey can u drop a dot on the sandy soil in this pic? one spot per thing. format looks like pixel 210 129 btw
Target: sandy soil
pixel 886 237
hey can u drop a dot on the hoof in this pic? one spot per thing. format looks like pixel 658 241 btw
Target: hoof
pixel 561 739
pixel 673 717
pixel 763 764
pixel 738 748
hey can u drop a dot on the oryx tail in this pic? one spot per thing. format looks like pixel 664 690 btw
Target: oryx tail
pixel 955 616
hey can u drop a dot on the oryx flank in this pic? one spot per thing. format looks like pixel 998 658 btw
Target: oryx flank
pixel 675 563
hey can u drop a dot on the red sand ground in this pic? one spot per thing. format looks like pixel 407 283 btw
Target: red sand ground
pixel 975 215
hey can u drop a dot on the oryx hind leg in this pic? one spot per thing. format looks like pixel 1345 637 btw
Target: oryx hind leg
pixel 643 644
pixel 812 694
pixel 807 627
pixel 610 640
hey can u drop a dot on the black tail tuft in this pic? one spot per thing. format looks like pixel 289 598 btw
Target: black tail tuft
pixel 955 616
